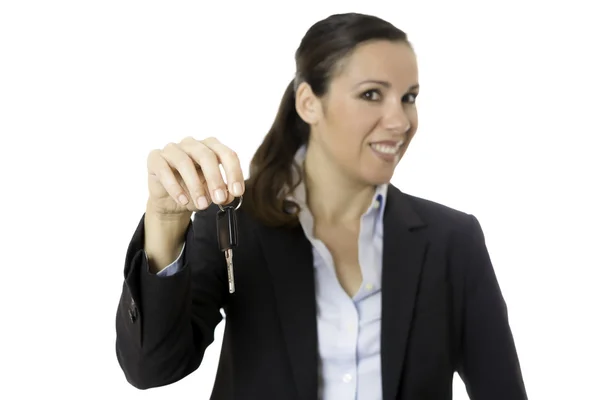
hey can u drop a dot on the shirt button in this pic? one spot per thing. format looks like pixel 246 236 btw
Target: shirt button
pixel 369 286
pixel 347 378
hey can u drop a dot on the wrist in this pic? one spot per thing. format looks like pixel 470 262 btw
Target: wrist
pixel 164 237
pixel 166 218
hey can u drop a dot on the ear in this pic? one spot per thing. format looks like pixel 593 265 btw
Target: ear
pixel 308 105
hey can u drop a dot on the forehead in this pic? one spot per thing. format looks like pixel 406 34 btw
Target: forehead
pixel 394 62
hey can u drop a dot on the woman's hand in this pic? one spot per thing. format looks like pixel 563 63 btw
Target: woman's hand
pixel 185 177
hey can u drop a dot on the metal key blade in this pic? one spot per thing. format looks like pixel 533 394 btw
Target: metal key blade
pixel 229 259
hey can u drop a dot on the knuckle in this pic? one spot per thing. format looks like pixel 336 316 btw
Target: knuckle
pixel 170 146
pixel 152 157
pixel 185 164
pixel 204 153
pixel 153 153
pixel 163 173
pixel 174 189
pixel 188 139
pixel 215 183
pixel 231 154
pixel 210 139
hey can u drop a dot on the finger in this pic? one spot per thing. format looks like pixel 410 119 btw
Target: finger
pixel 186 168
pixel 191 206
pixel 160 170
pixel 231 165
pixel 209 163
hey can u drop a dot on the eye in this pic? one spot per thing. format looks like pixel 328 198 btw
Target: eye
pixel 372 95
pixel 411 98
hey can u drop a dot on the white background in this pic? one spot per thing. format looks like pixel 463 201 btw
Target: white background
pixel 508 131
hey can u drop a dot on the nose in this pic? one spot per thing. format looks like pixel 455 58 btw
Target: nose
pixel 395 118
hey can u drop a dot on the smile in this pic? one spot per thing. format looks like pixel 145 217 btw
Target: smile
pixel 386 148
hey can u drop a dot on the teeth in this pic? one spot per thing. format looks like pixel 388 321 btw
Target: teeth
pixel 386 149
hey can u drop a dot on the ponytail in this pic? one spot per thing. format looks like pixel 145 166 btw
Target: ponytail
pixel 271 168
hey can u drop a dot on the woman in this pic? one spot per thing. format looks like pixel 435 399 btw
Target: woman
pixel 345 287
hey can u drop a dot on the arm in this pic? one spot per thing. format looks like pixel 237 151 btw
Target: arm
pixel 165 323
pixel 488 365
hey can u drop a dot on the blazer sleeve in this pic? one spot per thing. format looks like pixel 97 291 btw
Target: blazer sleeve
pixel 165 323
pixel 488 363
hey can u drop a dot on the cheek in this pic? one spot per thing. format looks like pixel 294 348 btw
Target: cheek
pixel 350 138
pixel 344 143
pixel 346 130
pixel 348 126
pixel 357 122
pixel 413 117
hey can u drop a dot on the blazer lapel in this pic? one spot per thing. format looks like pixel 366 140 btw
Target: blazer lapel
pixel 404 249
pixel 289 257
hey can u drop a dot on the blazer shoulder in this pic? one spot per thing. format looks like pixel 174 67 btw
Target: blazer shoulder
pixel 458 228
pixel 438 215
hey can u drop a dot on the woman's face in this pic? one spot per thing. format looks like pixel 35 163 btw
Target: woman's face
pixel 366 121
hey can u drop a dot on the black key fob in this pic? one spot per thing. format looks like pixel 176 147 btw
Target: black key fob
pixel 227 229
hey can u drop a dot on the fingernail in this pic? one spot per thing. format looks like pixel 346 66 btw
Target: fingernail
pixel 202 202
pixel 219 195
pixel 237 189
pixel 182 199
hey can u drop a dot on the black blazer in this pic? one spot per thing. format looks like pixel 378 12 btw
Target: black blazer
pixel 442 311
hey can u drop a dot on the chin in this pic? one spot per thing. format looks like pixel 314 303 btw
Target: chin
pixel 379 178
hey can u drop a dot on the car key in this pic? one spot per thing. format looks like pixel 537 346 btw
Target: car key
pixel 227 231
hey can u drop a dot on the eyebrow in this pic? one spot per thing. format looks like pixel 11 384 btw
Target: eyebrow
pixel 385 84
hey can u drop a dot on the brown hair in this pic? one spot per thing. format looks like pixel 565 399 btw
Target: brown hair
pixel 318 58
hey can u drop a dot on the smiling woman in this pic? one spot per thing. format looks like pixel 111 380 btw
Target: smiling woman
pixel 346 287
pixel 351 103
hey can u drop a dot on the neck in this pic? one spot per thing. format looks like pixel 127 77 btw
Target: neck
pixel 332 196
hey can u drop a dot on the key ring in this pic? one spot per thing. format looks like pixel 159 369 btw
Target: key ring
pixel 236 208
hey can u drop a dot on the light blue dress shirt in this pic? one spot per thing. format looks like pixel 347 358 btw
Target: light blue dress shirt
pixel 349 328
